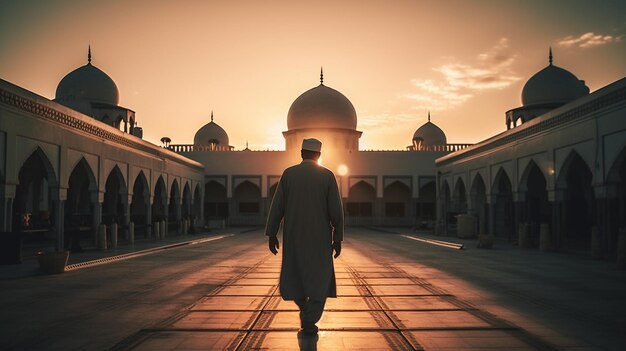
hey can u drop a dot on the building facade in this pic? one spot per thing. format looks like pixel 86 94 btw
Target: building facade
pixel 562 167
pixel 77 162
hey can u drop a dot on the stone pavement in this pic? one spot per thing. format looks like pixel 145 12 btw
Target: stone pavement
pixel 394 293
pixel 379 307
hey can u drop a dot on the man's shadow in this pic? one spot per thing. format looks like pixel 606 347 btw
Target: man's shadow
pixel 307 342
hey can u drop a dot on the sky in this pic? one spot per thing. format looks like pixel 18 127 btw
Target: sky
pixel 176 61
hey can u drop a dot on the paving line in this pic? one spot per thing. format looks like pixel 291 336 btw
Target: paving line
pixel 131 255
pixel 415 344
pixel 446 244
pixel 495 323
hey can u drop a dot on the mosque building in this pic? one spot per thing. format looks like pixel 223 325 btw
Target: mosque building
pixel 555 181
pixel 71 165
pixel 74 165
pixel 378 187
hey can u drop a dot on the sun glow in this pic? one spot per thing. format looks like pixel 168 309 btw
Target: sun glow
pixel 342 170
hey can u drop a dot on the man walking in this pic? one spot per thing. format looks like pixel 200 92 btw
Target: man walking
pixel 307 200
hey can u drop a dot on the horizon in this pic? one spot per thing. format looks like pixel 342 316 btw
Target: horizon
pixel 249 64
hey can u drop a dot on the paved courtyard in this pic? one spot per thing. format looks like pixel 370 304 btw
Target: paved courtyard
pixel 394 294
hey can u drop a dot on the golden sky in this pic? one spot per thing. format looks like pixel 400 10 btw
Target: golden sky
pixel 175 61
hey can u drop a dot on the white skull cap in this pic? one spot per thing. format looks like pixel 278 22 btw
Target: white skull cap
pixel 312 144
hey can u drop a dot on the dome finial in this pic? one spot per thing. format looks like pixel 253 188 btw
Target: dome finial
pixel 550 56
pixel 428 116
pixel 211 115
pixel 321 75
pixel 89 55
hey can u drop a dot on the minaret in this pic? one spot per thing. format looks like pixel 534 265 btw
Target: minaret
pixel 89 55
pixel 321 75
pixel 550 56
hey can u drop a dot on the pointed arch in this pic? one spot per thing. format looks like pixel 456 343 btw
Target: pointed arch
pixel 186 201
pixel 140 204
pixel 459 196
pixel 504 212
pixel 215 201
pixel 115 197
pixel 478 199
pixel 573 158
pixel 397 199
pixel 501 182
pixel 32 204
pixel 576 179
pixel 159 202
pixel 81 185
pixel 248 198
pixel 360 202
pixel 38 155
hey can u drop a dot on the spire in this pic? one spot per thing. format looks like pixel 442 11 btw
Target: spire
pixel 211 115
pixel 428 116
pixel 246 144
pixel 321 75
pixel 550 56
pixel 89 55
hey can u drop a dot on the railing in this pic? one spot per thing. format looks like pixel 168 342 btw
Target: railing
pixel 191 148
pixel 443 148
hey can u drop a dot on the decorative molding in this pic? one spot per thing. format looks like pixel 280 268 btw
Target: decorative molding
pixel 55 116
pixel 527 130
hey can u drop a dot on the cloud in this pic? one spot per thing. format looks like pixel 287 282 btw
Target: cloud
pixel 589 40
pixel 462 81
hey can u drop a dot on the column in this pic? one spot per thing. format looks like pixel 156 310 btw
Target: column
pixel 556 198
pixel 59 207
pixel 491 216
pixel 97 198
pixel 149 216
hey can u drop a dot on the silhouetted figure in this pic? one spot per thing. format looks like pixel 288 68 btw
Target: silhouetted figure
pixel 307 200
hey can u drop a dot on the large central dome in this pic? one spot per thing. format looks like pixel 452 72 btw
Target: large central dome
pixel 321 107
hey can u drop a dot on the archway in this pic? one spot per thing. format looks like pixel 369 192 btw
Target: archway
pixel 360 204
pixel 460 197
pixel 186 203
pixel 173 208
pixel 397 202
pixel 536 208
pixel 247 196
pixel 197 206
pixel 478 197
pixel 78 207
pixel 114 198
pixel 139 205
pixel 33 210
pixel 446 211
pixel 425 210
pixel 504 213
pixel 579 202
pixel 159 202
pixel 215 201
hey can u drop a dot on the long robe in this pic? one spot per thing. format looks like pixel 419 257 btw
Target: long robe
pixel 307 200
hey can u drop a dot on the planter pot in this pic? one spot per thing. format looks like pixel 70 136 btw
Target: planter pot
pixel 53 262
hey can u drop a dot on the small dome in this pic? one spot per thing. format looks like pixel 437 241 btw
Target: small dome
pixel 321 107
pixel 429 135
pixel 88 83
pixel 553 85
pixel 211 134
